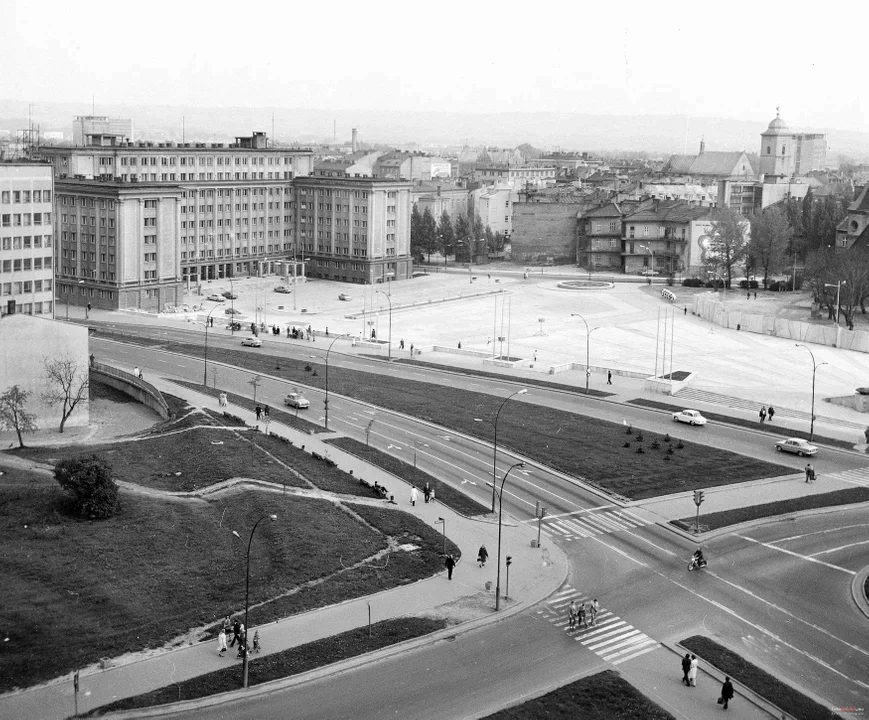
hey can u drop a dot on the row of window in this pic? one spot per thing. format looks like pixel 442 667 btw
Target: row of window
pixel 25 242
pixel 190 161
pixel 87 202
pixel 26 286
pixel 26 264
pixel 325 192
pixel 8 197
pixel 238 192
pixel 86 220
pixel 25 219
pixel 72 255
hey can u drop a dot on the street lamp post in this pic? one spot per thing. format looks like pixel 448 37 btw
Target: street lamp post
pixel 652 253
pixel 587 348
pixel 326 382
pixel 838 286
pixel 232 305
pixel 500 505
pixel 441 521
pixel 495 452
pixel 815 366
pixel 389 358
pixel 244 659
pixel 205 370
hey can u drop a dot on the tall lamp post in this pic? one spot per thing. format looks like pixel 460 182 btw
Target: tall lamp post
pixel 838 286
pixel 232 305
pixel 500 504
pixel 815 366
pixel 244 660
pixel 652 253
pixel 205 370
pixel 494 425
pixel 587 348
pixel 326 381
pixel 389 358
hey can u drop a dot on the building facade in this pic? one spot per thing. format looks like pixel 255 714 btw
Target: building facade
pixel 599 245
pixel 101 130
pixel 785 153
pixel 354 229
pixel 495 209
pixel 439 198
pixel 26 239
pixel 518 178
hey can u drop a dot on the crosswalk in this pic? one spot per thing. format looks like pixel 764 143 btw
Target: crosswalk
pixel 858 476
pixel 589 523
pixel 610 638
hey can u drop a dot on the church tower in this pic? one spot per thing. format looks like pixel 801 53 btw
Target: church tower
pixel 776 149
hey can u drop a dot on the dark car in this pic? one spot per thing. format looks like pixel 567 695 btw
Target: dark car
pixel 229 295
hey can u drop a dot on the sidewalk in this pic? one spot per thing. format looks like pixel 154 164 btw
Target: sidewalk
pixel 536 572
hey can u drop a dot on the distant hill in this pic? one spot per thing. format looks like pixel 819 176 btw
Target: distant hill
pixel 655 134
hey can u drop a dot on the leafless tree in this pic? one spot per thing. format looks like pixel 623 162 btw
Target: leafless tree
pixel 770 234
pixel 728 242
pixel 68 384
pixel 13 415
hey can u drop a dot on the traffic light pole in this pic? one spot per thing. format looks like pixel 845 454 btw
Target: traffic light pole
pixel 698 499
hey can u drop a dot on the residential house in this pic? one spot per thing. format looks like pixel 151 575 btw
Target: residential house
pixel 853 231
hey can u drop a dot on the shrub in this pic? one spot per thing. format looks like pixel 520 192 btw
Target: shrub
pixel 639 437
pixel 667 438
pixel 88 479
pixel 307 368
pixel 743 284
pixel 680 445
pixel 656 445
pixel 670 450
pixel 629 430
pixel 627 444
pixel 640 450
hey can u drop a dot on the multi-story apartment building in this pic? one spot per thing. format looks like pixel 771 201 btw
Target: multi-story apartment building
pixel 235 210
pixel 495 209
pixel 26 239
pixel 518 178
pixel 439 198
pixel 354 229
pixel 599 246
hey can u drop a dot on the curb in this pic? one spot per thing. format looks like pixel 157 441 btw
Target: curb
pixel 857 585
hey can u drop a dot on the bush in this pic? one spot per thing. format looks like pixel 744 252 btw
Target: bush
pixel 640 450
pixel 667 438
pixel 88 479
pixel 639 437
pixel 627 444
pixel 629 430
pixel 680 445
pixel 692 282
pixel 656 445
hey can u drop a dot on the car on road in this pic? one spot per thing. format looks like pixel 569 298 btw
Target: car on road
pixel 252 342
pixel 649 271
pixel 797 446
pixel 232 311
pixel 229 295
pixel 215 298
pixel 296 400
pixel 692 417
pixel 344 296
pixel 283 289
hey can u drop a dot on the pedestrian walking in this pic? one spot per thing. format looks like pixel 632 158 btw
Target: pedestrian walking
pixel 770 413
pixel 609 377
pixel 535 356
pixel 692 671
pixel 755 294
pixel 221 642
pixel 411 349
pixel 256 645
pixel 426 491
pixel 413 495
pixel 401 344
pixel 460 344
pixel 136 371
pixel 266 413
pixel 236 633
pixel 223 399
pixel 450 563
pixel 686 667
pixel 686 309
pixel 866 434
pixel 571 615
pixel 259 413
pixel 726 693
pixel 227 625
pixel 582 615
pixel 762 414
pixel 593 610
pixel 482 555
pixel 748 296
pixel 810 473
pixel 432 494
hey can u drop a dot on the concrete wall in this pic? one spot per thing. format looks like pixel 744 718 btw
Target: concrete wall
pixel 127 383
pixel 24 342
pixel 544 230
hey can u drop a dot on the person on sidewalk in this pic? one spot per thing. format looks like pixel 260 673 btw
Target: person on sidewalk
pixel 221 642
pixel 450 563
pixel 810 473
pixel 582 615
pixel 686 667
pixel 770 413
pixel 259 412
pixel 571 615
pixel 413 495
pixel 432 494
pixel 227 625
pixel 236 633
pixel 256 645
pixel 593 610
pixel 726 693
pixel 609 377
pixel 692 671
pixel 482 556
pixel 426 491
pixel 762 413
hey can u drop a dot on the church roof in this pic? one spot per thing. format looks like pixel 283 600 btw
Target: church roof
pixel 721 163
pixel 679 164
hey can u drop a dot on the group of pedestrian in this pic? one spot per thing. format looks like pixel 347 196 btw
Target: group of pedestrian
pixel 221 399
pixel 262 413
pixel 428 492
pixel 748 295
pixel 137 373
pixel 300 333
pixel 238 636
pixel 584 614
pixel 810 473
pixel 690 665
pixel 766 413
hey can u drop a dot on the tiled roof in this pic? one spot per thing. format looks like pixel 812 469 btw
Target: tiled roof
pixel 861 204
pixel 721 163
pixel 676 211
pixel 608 210
pixel 679 163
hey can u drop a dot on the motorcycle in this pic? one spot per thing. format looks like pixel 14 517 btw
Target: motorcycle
pixel 697 563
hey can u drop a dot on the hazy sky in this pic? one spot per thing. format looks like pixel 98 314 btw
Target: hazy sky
pixel 728 59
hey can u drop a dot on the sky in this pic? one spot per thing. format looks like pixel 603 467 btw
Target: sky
pixel 737 60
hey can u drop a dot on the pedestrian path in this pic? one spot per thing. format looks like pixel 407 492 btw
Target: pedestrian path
pixel 608 636
pixel 858 476
pixel 590 523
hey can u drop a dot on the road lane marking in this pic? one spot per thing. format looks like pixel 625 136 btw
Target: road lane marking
pixel 841 547
pixel 819 532
pixel 796 554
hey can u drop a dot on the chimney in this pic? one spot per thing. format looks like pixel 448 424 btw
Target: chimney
pixel 353 142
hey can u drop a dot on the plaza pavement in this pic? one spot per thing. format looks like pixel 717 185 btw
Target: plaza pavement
pixel 626 343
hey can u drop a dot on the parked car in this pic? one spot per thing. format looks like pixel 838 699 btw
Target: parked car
pixel 252 341
pixel 283 289
pixel 229 295
pixel 296 400
pixel 692 417
pixel 344 297
pixel 798 446
pixel 649 271
pixel 232 311
pixel 215 298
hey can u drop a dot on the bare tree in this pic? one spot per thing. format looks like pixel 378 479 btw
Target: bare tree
pixel 68 385
pixel 727 241
pixel 13 416
pixel 770 234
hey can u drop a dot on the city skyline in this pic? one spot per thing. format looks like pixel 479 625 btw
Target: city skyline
pixel 740 64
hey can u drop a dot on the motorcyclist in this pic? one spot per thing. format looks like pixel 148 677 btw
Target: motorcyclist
pixel 699 560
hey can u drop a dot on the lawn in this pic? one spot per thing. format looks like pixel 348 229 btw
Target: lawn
pixel 285 663
pixel 78 591
pixel 726 518
pixel 604 696
pixel 782 695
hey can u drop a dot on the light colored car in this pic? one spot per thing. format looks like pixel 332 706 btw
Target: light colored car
pixel 252 342
pixel 283 289
pixel 344 296
pixel 798 446
pixel 692 417
pixel 215 298
pixel 296 400
pixel 649 271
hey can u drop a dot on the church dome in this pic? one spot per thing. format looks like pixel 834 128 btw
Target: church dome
pixel 777 124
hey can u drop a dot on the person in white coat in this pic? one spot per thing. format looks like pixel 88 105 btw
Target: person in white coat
pixel 221 642
pixel 413 495
pixel 692 671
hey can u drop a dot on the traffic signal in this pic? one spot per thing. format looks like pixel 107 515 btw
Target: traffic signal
pixel 509 560
pixel 698 497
